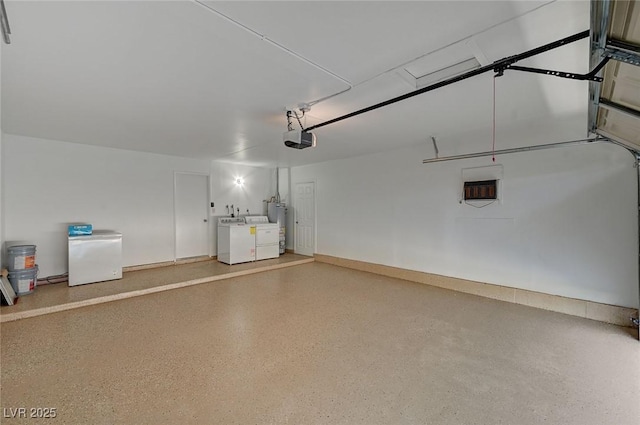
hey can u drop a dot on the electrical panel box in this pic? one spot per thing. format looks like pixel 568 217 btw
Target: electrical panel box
pixel 481 190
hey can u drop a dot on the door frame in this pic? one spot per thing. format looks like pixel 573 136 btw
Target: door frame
pixel 175 220
pixel 315 213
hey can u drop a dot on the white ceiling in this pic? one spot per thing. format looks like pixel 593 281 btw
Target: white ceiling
pixel 213 79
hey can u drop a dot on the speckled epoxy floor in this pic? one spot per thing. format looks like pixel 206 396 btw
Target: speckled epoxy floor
pixel 59 297
pixel 319 344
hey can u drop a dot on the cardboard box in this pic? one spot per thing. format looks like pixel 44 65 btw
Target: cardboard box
pixel 80 229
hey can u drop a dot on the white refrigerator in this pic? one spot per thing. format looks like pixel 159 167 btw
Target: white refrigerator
pixel 95 258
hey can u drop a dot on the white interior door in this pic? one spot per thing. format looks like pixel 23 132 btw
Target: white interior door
pixel 305 218
pixel 191 215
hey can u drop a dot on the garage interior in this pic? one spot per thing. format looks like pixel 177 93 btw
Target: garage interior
pixel 462 237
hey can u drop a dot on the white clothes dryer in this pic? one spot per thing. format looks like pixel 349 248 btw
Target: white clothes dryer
pixel 267 237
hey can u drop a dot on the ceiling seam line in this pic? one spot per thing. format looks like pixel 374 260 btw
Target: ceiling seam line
pixel 349 84
pixel 274 43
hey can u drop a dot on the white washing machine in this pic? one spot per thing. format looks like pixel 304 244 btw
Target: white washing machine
pixel 267 237
pixel 236 240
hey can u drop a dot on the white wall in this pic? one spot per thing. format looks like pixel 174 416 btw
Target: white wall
pixel 259 185
pixel 567 224
pixel 48 184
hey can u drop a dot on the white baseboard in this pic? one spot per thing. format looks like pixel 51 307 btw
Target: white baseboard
pixel 167 263
pixel 582 308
